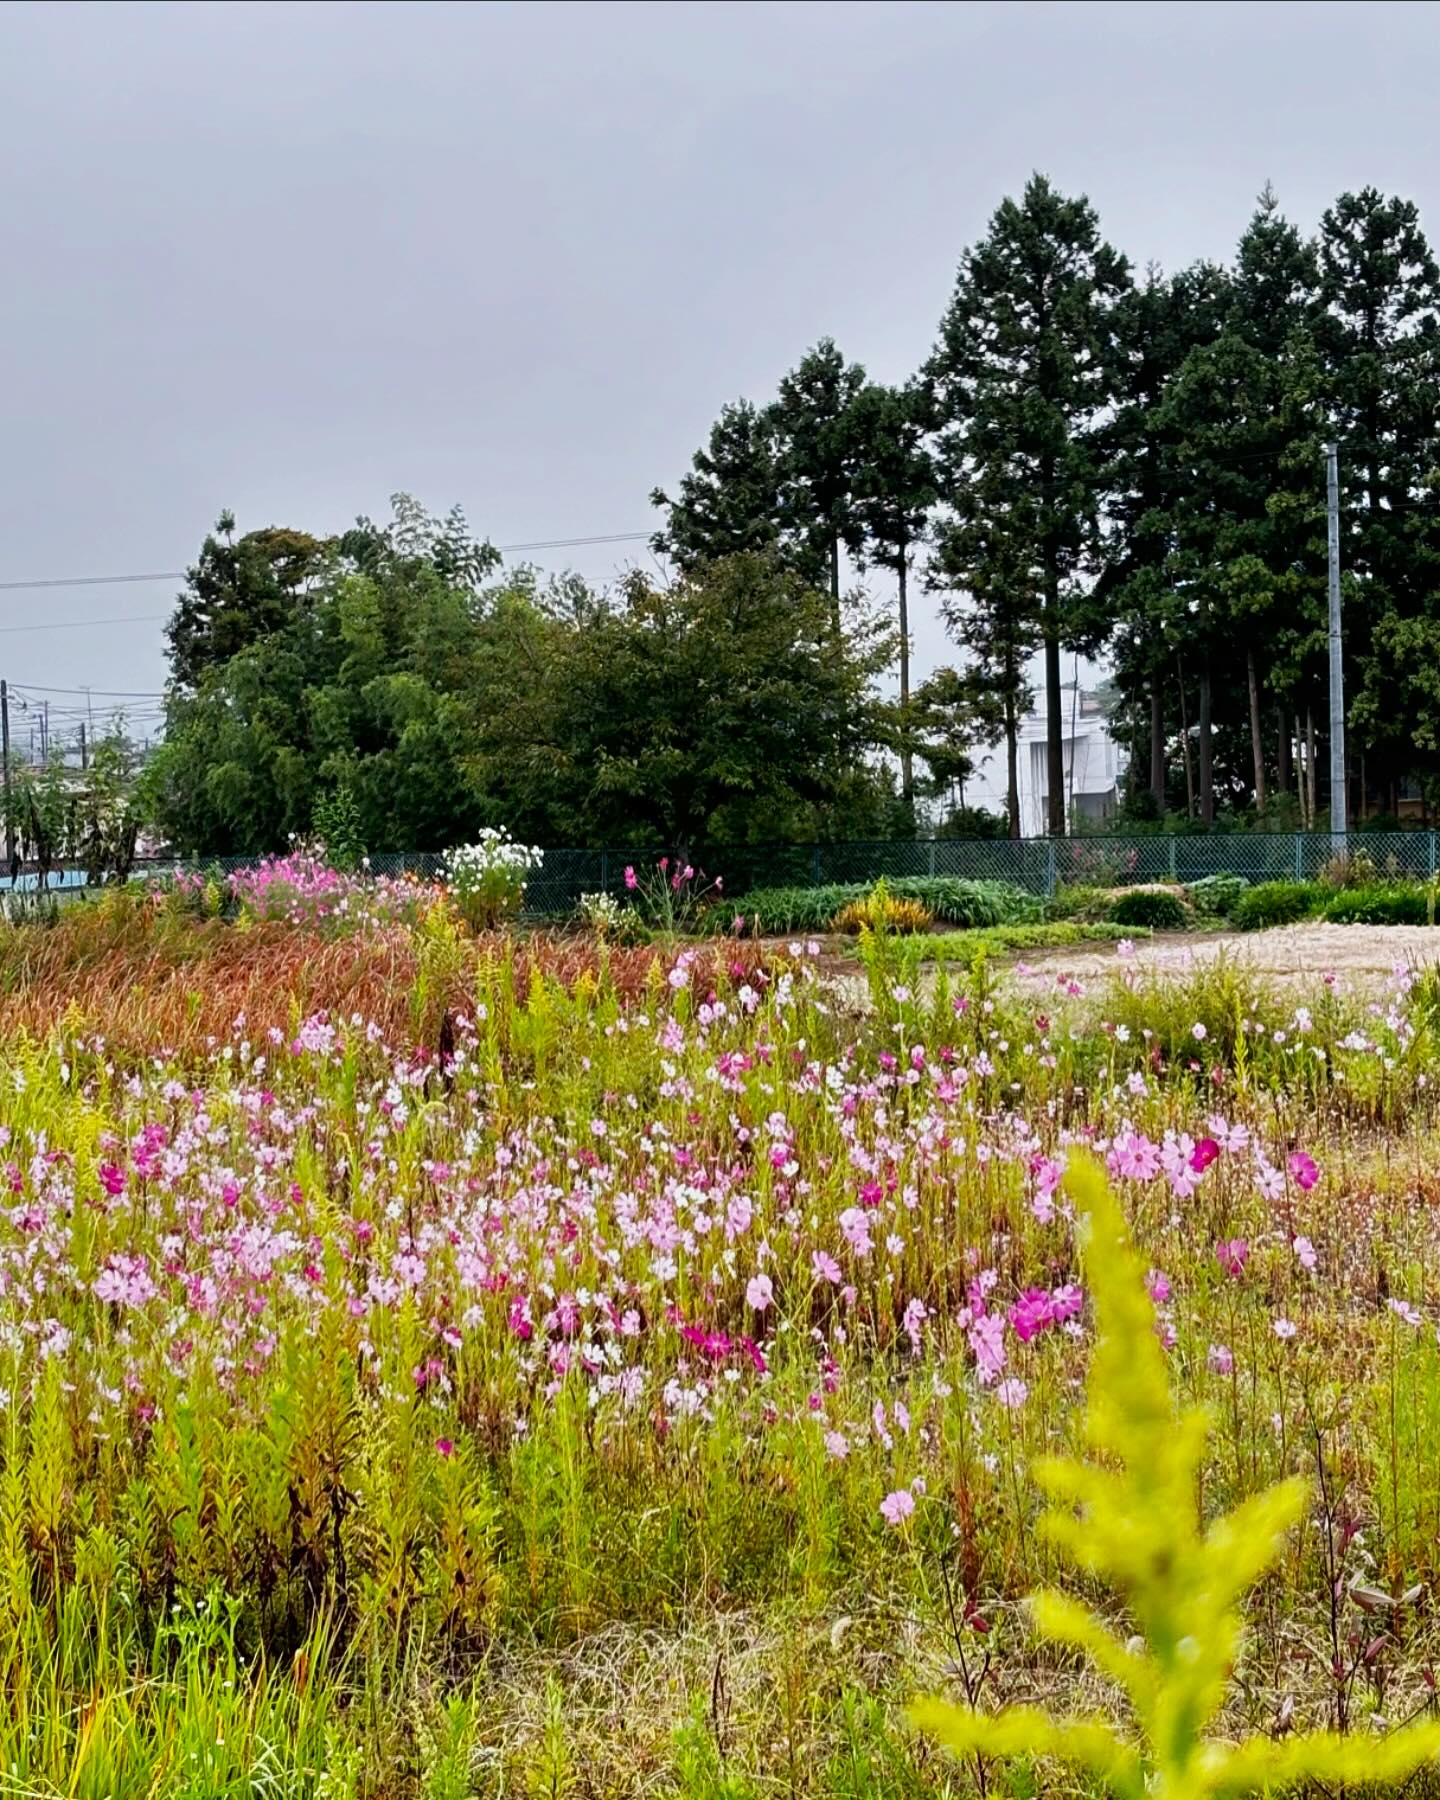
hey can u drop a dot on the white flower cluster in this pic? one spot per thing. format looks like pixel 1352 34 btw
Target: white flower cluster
pixel 494 853
pixel 488 876
pixel 601 912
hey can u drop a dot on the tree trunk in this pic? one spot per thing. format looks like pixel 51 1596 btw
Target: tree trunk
pixel 1054 723
pixel 1257 748
pixel 907 760
pixel 1185 742
pixel 1282 753
pixel 835 581
pixel 1207 749
pixel 1012 761
pixel 1310 760
pixel 1157 742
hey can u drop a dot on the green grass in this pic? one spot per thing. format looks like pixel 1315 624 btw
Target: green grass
pixel 967 947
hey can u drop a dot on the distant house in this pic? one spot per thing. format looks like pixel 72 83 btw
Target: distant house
pixel 1094 766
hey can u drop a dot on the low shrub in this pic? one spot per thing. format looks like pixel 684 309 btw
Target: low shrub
pixel 1279 903
pixel 882 910
pixel 1159 908
pixel 1380 903
pixel 969 904
pixel 1217 896
pixel 781 912
pixel 1073 900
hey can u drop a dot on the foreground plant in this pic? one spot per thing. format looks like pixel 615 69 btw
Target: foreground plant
pixel 1133 1518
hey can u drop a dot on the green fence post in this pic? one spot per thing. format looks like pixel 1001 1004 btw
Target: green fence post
pixel 1050 869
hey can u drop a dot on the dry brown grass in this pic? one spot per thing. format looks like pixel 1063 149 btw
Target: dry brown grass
pixel 147 980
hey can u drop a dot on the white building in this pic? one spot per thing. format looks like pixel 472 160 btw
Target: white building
pixel 1094 766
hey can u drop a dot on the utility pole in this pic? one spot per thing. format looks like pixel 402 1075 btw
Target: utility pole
pixel 1337 668
pixel 44 731
pixel 84 748
pixel 5 757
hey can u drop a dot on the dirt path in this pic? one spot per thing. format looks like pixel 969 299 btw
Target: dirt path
pixel 1365 955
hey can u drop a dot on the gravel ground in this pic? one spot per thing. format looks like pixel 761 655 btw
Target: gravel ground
pixel 1365 954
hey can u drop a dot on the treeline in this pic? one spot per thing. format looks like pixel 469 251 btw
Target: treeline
pixel 394 689
pixel 1090 461
pixel 1098 461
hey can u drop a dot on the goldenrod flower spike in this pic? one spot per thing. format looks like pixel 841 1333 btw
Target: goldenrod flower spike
pixel 1132 1518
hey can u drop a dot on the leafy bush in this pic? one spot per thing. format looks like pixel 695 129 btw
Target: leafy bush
pixel 1134 1518
pixel 1160 908
pixel 1278 903
pixel 780 912
pixel 1380 903
pixel 1078 900
pixel 1217 896
pixel 880 909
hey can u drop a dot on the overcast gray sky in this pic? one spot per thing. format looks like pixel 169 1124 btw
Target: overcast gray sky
pixel 287 259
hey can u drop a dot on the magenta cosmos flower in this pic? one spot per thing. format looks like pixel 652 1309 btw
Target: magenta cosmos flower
pixel 1303 1170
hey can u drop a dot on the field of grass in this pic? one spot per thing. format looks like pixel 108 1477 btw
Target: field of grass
pixel 437 1365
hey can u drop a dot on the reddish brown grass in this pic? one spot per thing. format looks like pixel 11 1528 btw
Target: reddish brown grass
pixel 148 981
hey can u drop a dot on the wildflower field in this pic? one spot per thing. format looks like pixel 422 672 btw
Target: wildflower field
pixel 439 1361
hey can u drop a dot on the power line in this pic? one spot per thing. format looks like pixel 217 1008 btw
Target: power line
pixel 63 581
pixel 87 624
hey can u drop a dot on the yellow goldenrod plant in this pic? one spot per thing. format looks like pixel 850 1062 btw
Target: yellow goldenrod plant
pixel 1130 1516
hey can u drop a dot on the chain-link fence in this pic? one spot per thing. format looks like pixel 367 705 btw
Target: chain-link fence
pixel 1037 864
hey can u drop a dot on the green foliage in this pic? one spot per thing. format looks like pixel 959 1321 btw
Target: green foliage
pixel 1279 903
pixel 1380 903
pixel 1217 896
pixel 968 948
pixel 1129 1516
pixel 1159 908
pixel 774 912
pixel 339 827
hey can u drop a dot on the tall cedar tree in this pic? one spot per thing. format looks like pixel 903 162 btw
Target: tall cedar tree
pixel 1023 371
pixel 814 423
pixel 894 490
pixel 729 502
pixel 982 560
pixel 1157 324
pixel 1242 422
pixel 1381 347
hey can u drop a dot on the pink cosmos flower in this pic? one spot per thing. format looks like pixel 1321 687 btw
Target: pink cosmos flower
pixel 1221 1359
pixel 1231 1254
pixel 1157 1286
pixel 897 1507
pixel 1031 1313
pixel 759 1293
pixel 1304 1252
pixel 1066 1302
pixel 632 880
pixel 1284 1329
pixel 1203 1155
pixel 1303 1171
pixel 824 1267
pixel 1012 1392
pixel 836 1446
pixel 444 1447
pixel 112 1179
